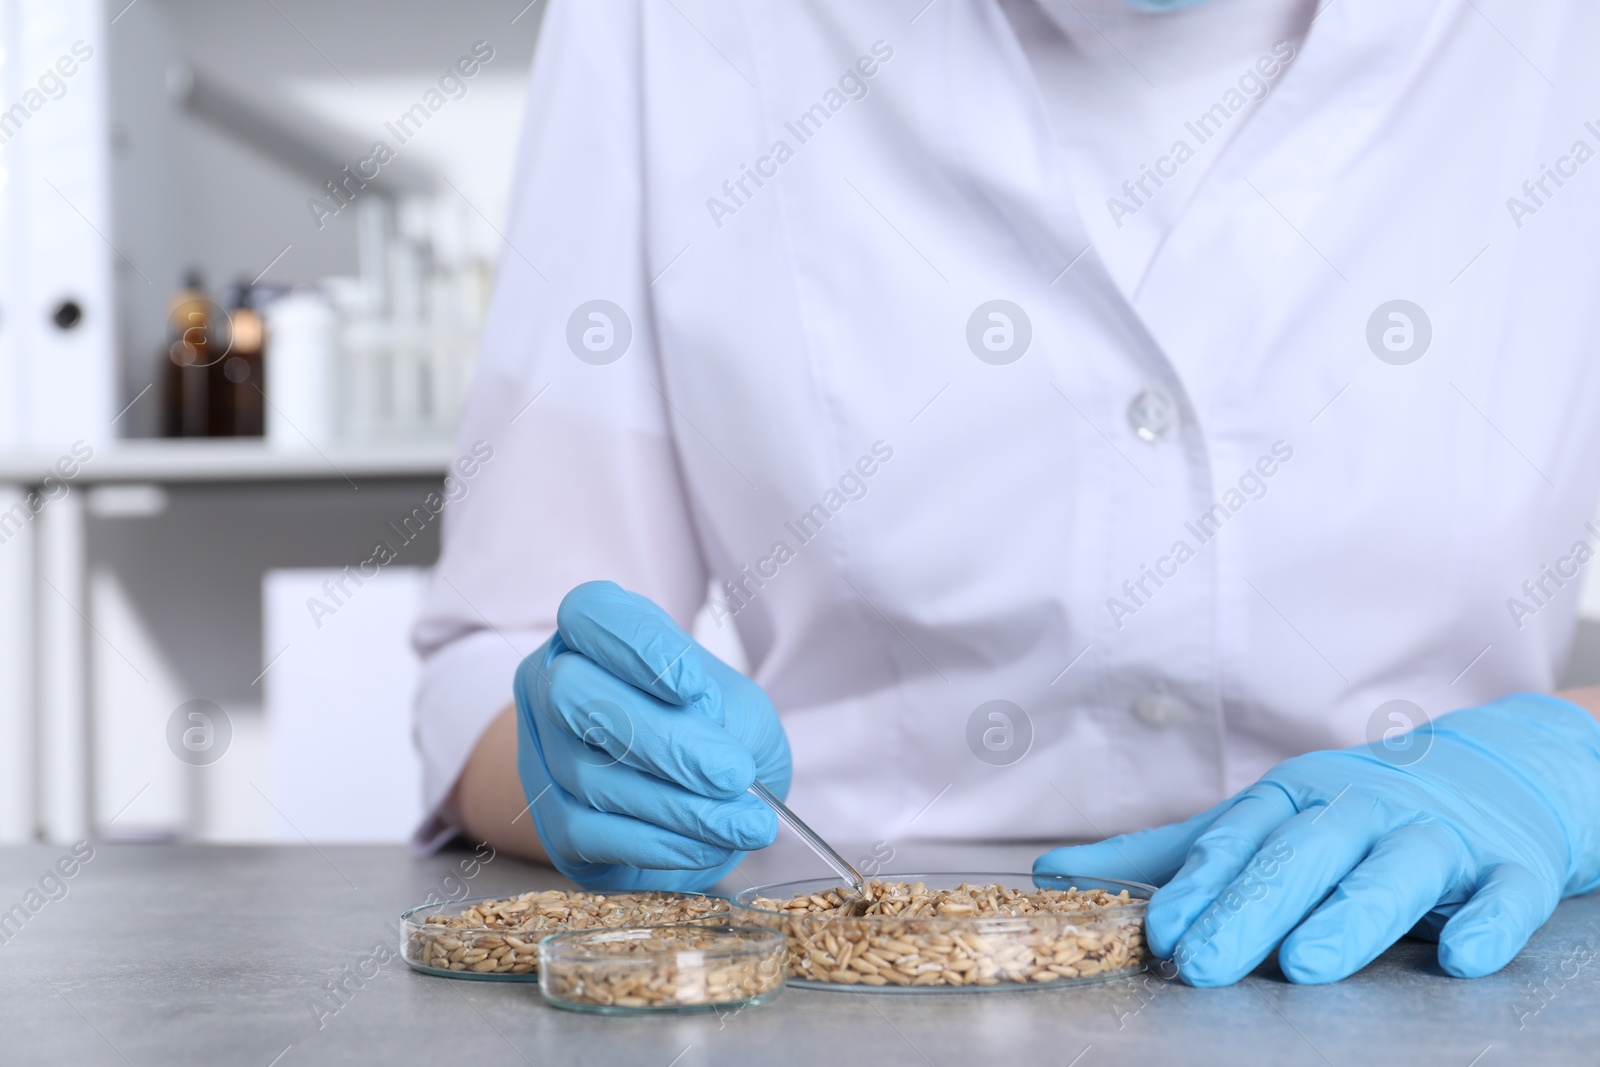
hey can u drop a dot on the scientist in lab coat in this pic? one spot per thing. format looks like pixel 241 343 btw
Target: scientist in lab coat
pixel 1092 420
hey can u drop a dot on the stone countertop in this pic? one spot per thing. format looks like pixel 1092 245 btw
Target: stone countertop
pixel 177 954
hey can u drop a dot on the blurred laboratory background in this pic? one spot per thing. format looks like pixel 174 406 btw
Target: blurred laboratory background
pixel 248 246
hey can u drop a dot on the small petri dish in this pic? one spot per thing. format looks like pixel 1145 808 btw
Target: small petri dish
pixel 496 939
pixel 656 969
pixel 957 932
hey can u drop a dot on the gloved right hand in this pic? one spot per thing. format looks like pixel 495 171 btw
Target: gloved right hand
pixel 635 747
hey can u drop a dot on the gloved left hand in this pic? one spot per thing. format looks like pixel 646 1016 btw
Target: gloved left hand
pixel 1339 854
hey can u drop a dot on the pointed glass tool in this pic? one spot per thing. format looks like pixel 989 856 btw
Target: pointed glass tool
pixel 827 853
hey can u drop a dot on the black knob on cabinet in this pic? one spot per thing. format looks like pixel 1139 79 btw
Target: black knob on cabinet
pixel 67 314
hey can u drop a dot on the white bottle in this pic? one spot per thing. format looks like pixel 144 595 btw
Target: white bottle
pixel 302 371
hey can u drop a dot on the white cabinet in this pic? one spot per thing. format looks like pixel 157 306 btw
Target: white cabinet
pixel 139 591
pixel 57 385
pixel 113 183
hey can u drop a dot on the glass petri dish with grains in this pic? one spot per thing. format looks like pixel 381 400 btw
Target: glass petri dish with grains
pixel 653 969
pixel 955 932
pixel 497 938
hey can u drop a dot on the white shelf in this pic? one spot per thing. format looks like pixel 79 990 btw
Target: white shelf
pixel 224 460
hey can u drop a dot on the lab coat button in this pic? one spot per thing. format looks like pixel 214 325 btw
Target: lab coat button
pixel 1152 414
pixel 1159 709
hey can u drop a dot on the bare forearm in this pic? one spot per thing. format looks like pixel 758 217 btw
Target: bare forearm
pixel 1587 698
pixel 488 802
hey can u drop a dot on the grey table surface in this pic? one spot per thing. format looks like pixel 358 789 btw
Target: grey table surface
pixel 171 955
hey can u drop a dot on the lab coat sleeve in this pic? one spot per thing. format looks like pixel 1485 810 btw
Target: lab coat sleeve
pixel 567 469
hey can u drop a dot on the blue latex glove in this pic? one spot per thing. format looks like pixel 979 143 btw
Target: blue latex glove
pixel 635 746
pixel 1339 854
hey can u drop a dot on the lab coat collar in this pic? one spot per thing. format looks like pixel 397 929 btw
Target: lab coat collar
pixel 1001 131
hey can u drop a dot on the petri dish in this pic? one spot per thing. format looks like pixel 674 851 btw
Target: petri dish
pixel 496 939
pixel 656 969
pixel 995 940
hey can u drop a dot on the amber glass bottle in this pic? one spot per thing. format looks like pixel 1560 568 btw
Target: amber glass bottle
pixel 186 370
pixel 237 388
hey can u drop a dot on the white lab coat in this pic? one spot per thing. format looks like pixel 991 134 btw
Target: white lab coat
pixel 788 337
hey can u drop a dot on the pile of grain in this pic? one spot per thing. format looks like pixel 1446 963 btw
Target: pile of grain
pixel 502 936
